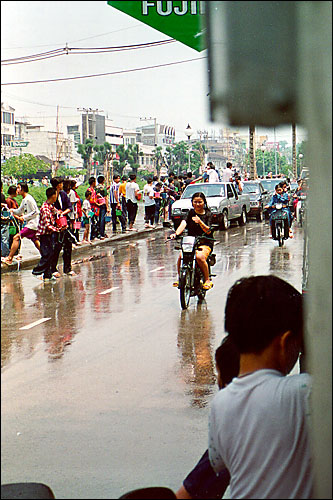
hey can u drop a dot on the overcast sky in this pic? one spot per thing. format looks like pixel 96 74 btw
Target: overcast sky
pixel 175 95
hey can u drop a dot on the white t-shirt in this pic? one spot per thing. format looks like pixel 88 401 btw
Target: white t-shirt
pixel 131 187
pixel 213 176
pixel 30 212
pixel 226 174
pixel 258 430
pixel 73 200
pixel 86 207
pixel 148 191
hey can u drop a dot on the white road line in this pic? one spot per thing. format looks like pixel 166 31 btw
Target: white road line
pixel 109 290
pixel 233 235
pixel 250 229
pixel 31 325
pixel 157 269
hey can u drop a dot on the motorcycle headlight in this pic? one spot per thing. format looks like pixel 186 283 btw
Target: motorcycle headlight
pixel 278 206
pixel 188 243
pixel 213 210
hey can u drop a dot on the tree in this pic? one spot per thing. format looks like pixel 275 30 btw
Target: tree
pixel 86 150
pixel 23 165
pixel 133 154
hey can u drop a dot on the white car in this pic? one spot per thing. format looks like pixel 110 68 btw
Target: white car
pixel 222 198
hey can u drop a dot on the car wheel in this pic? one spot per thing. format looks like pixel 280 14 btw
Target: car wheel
pixel 260 215
pixel 225 223
pixel 242 218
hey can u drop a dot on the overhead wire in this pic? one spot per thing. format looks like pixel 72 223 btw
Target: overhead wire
pixel 105 74
pixel 82 50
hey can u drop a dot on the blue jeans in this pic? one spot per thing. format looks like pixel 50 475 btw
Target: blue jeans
pixel 4 240
pixel 101 220
pixel 49 255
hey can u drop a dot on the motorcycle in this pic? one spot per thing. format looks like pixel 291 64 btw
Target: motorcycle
pixel 301 210
pixel 280 224
pixel 191 277
pixel 15 491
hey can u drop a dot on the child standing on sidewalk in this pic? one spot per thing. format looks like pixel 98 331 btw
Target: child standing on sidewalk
pixel 86 207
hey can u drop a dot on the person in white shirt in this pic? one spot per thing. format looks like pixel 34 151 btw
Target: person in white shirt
pixel 213 176
pixel 29 214
pixel 132 196
pixel 149 194
pixel 227 173
pixel 258 425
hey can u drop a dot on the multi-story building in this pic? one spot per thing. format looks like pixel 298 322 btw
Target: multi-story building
pixel 7 129
pixel 156 135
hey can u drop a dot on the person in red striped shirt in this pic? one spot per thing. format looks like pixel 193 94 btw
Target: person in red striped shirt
pixel 47 232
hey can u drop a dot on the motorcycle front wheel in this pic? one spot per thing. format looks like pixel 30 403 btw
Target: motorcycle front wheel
pixel 185 288
pixel 279 235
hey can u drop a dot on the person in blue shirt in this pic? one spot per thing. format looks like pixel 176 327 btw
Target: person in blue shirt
pixel 279 197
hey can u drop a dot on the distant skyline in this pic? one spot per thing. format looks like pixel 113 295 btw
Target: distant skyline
pixel 176 95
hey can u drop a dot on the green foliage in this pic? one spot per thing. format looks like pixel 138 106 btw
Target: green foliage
pixel 23 165
pixel 158 159
pixel 86 150
pixel 70 172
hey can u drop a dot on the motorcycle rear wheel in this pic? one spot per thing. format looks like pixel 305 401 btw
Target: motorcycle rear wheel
pixel 185 288
pixel 279 236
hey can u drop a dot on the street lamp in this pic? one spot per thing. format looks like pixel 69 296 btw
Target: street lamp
pixel 188 132
pixel 263 149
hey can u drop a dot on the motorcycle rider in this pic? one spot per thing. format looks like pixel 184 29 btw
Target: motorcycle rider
pixel 278 197
pixel 198 222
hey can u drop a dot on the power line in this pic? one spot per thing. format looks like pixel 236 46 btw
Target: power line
pixel 105 74
pixel 82 50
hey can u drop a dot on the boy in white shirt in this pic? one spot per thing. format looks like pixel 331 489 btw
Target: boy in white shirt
pixel 258 426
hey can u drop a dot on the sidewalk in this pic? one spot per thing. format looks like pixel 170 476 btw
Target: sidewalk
pixel 31 256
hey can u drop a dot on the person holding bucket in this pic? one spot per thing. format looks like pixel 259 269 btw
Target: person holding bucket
pixel 86 209
pixel 64 206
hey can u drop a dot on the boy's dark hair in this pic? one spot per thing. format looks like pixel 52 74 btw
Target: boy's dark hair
pixel 116 176
pixel 100 179
pixel 149 180
pixel 229 164
pixel 258 309
pixel 50 192
pixel 12 189
pixel 155 178
pixel 132 177
pixel 91 180
pixel 124 178
pixel 87 193
pixel 73 183
pixel 55 181
pixel 189 174
pixel 227 360
pixel 24 187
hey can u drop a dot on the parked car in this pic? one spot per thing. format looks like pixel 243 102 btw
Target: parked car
pixel 259 198
pixel 223 200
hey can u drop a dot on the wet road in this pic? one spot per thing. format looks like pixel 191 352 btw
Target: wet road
pixel 106 383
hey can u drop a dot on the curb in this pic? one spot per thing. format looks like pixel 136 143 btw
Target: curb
pixel 30 262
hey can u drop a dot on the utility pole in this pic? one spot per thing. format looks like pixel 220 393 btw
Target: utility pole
pixel 294 159
pixel 253 169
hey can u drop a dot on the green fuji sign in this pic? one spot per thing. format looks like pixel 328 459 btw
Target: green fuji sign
pixel 180 20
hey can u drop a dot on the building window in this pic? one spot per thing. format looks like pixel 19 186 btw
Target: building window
pixel 7 117
pixel 5 139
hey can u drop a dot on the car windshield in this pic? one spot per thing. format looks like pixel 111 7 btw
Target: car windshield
pixel 269 184
pixel 251 188
pixel 209 190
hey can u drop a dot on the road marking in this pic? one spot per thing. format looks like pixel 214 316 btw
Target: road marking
pixel 109 290
pixel 233 235
pixel 250 229
pixel 157 269
pixel 31 325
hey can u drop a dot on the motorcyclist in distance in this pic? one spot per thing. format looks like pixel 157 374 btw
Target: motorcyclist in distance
pixel 278 197
pixel 198 222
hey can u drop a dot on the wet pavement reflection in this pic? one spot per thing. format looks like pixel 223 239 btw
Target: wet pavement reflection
pixel 106 383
